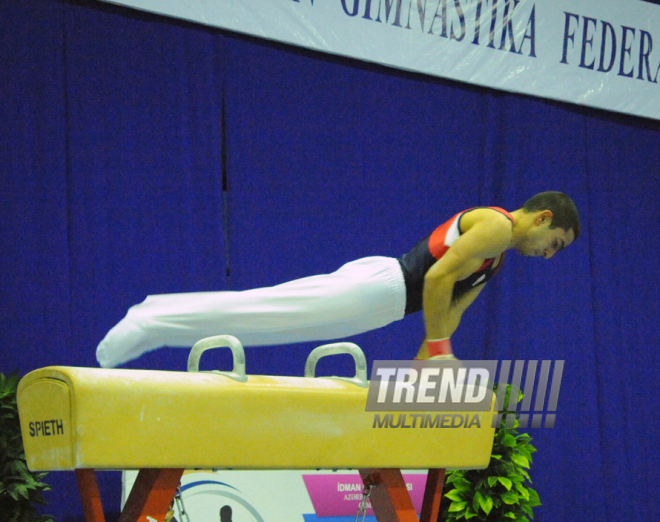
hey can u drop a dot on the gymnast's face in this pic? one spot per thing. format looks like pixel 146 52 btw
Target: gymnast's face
pixel 543 241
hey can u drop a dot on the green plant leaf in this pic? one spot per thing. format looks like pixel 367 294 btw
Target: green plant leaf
pixel 457 506
pixel 534 499
pixel 462 484
pixel 520 460
pixel 20 489
pixel 523 491
pixel 525 451
pixel 486 504
pixel 508 440
pixel 477 495
pixel 16 490
pixel 476 499
pixel 452 475
pixel 510 498
pixel 454 495
pixel 516 476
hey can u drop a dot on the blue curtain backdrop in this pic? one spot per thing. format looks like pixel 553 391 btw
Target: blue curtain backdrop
pixel 143 155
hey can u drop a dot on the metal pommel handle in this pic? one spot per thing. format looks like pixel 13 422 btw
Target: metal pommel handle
pixel 220 341
pixel 334 349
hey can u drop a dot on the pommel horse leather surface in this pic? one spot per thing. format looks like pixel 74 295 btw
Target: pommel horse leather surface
pixel 74 418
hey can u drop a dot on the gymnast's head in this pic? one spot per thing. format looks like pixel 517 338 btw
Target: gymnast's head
pixel 549 222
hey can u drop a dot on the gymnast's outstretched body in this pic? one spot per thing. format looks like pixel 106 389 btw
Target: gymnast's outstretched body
pixel 441 276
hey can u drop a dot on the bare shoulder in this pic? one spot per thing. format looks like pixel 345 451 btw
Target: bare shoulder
pixel 489 223
pixel 488 218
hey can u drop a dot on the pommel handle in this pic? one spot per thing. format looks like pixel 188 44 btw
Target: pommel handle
pixel 334 349
pixel 220 341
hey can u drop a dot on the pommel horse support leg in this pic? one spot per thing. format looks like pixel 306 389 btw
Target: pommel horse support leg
pixel 391 501
pixel 160 423
pixel 149 499
pixel 151 495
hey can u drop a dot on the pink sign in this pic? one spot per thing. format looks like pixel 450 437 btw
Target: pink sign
pixel 335 495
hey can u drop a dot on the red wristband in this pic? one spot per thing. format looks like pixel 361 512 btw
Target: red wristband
pixel 439 347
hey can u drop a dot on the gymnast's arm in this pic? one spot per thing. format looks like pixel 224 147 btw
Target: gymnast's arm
pixel 486 238
pixel 456 311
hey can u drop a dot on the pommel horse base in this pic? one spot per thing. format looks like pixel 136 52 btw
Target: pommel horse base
pixel 154 490
pixel 100 419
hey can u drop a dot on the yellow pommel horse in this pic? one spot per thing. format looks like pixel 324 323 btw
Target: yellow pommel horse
pixel 161 422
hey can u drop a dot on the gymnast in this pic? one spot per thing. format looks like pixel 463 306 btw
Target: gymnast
pixel 441 276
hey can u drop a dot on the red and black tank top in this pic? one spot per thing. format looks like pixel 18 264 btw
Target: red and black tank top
pixel 424 254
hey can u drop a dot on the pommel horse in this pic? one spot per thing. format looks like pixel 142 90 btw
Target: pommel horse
pixel 162 422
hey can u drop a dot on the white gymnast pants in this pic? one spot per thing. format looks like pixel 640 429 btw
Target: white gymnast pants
pixel 361 296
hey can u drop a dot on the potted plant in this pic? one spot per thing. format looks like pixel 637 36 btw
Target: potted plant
pixel 499 492
pixel 20 489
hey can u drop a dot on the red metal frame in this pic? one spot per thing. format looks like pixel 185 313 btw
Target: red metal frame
pixel 391 501
pixel 432 495
pixel 150 497
pixel 89 492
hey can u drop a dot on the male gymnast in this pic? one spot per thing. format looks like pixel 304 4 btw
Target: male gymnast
pixel 441 276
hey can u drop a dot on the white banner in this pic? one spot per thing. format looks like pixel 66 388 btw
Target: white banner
pixel 597 53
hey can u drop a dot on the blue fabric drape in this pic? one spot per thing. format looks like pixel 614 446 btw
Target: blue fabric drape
pixel 120 131
pixel 143 109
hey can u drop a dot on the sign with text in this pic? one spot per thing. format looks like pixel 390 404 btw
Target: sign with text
pixel 446 393
pixel 597 53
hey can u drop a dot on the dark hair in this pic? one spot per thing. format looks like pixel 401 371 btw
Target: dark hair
pixel 564 211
